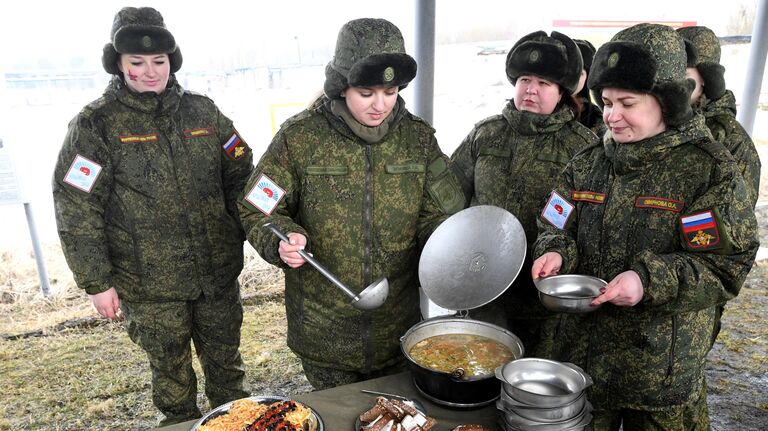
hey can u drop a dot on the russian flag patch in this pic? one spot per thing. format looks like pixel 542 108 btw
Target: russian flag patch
pixel 235 148
pixel 700 230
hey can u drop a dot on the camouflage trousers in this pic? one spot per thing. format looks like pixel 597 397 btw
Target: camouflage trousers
pixel 693 416
pixel 325 378
pixel 164 331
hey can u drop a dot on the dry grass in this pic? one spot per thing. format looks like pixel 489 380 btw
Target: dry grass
pixel 96 378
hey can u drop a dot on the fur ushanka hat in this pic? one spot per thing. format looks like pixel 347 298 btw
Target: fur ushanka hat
pixel 647 58
pixel 555 58
pixel 139 31
pixel 703 49
pixel 369 52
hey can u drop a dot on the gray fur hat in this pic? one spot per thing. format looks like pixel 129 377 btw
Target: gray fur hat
pixel 703 50
pixel 647 58
pixel 369 52
pixel 555 58
pixel 139 31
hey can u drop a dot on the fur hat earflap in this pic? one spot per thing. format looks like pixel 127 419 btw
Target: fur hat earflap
pixel 555 58
pixel 139 31
pixel 369 52
pixel 646 58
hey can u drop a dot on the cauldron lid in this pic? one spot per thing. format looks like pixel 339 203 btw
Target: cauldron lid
pixel 472 257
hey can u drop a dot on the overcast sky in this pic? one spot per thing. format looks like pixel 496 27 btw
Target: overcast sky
pixel 62 29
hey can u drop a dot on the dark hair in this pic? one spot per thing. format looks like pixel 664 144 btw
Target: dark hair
pixel 571 101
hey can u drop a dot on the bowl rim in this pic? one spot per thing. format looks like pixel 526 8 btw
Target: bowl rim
pixel 539 282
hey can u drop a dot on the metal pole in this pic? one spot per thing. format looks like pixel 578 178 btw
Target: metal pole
pixel 424 85
pixel 755 68
pixel 44 286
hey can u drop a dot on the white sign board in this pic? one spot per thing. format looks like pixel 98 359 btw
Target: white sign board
pixel 10 191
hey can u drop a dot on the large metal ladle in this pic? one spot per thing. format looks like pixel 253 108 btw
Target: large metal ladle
pixel 370 298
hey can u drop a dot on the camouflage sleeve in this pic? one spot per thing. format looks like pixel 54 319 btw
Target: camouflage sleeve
pixel 713 261
pixel 236 162
pixel 462 164
pixel 559 235
pixel 82 183
pixel 743 150
pixel 275 178
pixel 442 194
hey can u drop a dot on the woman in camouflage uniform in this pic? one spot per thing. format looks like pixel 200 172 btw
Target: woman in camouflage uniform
pixel 146 189
pixel 718 104
pixel 512 160
pixel 591 115
pixel 661 211
pixel 360 182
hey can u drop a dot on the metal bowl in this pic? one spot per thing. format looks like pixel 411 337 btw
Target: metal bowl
pixel 569 293
pixel 544 414
pixel 542 382
pixel 513 422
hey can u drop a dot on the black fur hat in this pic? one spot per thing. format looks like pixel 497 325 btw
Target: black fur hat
pixel 139 31
pixel 369 52
pixel 703 49
pixel 647 58
pixel 555 58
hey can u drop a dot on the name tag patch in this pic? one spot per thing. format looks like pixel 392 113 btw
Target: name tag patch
pixel 659 203
pixel 700 230
pixel 82 174
pixel 557 211
pixel 137 139
pixel 196 133
pixel 585 196
pixel 235 148
pixel 265 195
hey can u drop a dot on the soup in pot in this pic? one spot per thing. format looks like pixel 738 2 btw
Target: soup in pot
pixel 475 354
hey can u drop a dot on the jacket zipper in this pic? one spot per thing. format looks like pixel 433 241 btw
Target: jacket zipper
pixel 670 365
pixel 367 246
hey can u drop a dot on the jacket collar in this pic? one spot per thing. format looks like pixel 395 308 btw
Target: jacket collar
pixel 529 123
pixel 636 156
pixel 161 104
pixel 342 126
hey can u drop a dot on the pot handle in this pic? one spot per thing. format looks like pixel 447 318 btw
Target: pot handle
pixel 457 374
pixel 587 378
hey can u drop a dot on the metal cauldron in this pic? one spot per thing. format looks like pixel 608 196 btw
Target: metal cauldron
pixel 468 261
pixel 455 389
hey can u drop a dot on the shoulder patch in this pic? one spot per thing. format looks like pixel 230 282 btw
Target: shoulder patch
pixel 700 230
pixel 82 173
pixel 557 211
pixel 265 195
pixel 235 148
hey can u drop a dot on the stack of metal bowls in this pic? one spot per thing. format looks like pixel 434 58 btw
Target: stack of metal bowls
pixel 543 395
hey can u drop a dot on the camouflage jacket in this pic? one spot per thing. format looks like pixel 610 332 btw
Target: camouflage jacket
pixel 721 120
pixel 674 209
pixel 366 210
pixel 512 161
pixel 146 195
